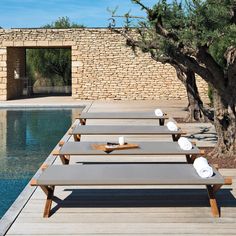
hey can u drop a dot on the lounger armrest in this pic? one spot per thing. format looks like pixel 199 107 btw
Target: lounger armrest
pixel 70 131
pixel 216 166
pixel 33 182
pixel 61 143
pixel 43 167
pixel 77 117
pixel 228 181
pixel 55 152
pixel 182 131
pixel 202 152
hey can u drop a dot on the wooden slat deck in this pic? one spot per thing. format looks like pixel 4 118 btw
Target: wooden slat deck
pixel 124 211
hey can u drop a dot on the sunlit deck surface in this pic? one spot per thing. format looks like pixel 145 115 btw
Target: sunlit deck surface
pixel 161 210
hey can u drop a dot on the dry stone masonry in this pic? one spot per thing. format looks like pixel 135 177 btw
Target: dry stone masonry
pixel 103 67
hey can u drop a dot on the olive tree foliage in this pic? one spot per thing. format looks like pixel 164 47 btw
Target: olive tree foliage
pixel 196 110
pixel 52 63
pixel 199 36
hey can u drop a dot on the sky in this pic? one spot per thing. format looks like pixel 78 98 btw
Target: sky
pixel 90 13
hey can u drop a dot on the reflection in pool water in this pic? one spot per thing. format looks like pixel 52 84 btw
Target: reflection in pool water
pixel 26 139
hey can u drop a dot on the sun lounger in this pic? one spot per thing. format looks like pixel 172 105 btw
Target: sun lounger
pixel 144 148
pixel 126 174
pixel 121 115
pixel 124 129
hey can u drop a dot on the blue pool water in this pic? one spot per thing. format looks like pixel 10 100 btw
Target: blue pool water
pixel 26 139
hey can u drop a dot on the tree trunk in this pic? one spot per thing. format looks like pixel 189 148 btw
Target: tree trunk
pixel 195 102
pixel 225 125
pixel 192 92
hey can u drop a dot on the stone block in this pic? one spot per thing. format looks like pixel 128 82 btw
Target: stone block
pixel 3 51
pixel 3 74
pixel 68 43
pixel 42 43
pixel 55 43
pixel 3 86
pixel 30 43
pixel 3 97
pixel 75 52
pixel 7 43
pixel 3 80
pixel 76 64
pixel 3 63
pixel 18 43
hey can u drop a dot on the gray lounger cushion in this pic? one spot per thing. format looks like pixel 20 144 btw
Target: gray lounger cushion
pixel 120 115
pixel 122 129
pixel 145 148
pixel 125 174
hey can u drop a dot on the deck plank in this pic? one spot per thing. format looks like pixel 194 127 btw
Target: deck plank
pixel 121 228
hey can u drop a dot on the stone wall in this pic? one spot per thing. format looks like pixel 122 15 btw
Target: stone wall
pixel 3 73
pixel 15 71
pixel 103 67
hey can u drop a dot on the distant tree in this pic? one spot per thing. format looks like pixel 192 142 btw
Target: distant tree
pixel 198 35
pixel 54 64
pixel 63 23
pixel 51 63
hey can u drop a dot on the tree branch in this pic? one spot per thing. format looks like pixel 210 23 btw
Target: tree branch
pixel 233 14
pixel 159 24
pixel 212 65
pixel 180 69
pixel 148 10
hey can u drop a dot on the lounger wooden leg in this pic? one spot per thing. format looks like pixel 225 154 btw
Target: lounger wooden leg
pixel 190 158
pixel 82 121
pixel 212 199
pixel 161 121
pixel 212 189
pixel 49 190
pixel 176 137
pixel 77 137
pixel 65 159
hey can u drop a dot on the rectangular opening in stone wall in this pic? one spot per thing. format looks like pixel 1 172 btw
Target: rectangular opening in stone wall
pixel 48 71
pixel 16 72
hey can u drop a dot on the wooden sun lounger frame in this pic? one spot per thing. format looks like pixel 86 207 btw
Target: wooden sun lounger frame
pixel 84 116
pixel 175 135
pixel 211 190
pixel 65 158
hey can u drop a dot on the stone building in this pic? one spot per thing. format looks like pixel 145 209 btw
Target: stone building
pixel 103 67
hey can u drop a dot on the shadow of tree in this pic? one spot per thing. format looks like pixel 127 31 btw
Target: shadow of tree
pixel 204 134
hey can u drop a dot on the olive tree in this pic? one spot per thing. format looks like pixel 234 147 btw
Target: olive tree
pixel 198 35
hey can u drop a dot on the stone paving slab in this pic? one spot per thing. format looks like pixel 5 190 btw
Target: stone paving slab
pixel 50 101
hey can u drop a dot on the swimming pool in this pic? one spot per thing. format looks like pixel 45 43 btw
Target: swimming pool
pixel 26 139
